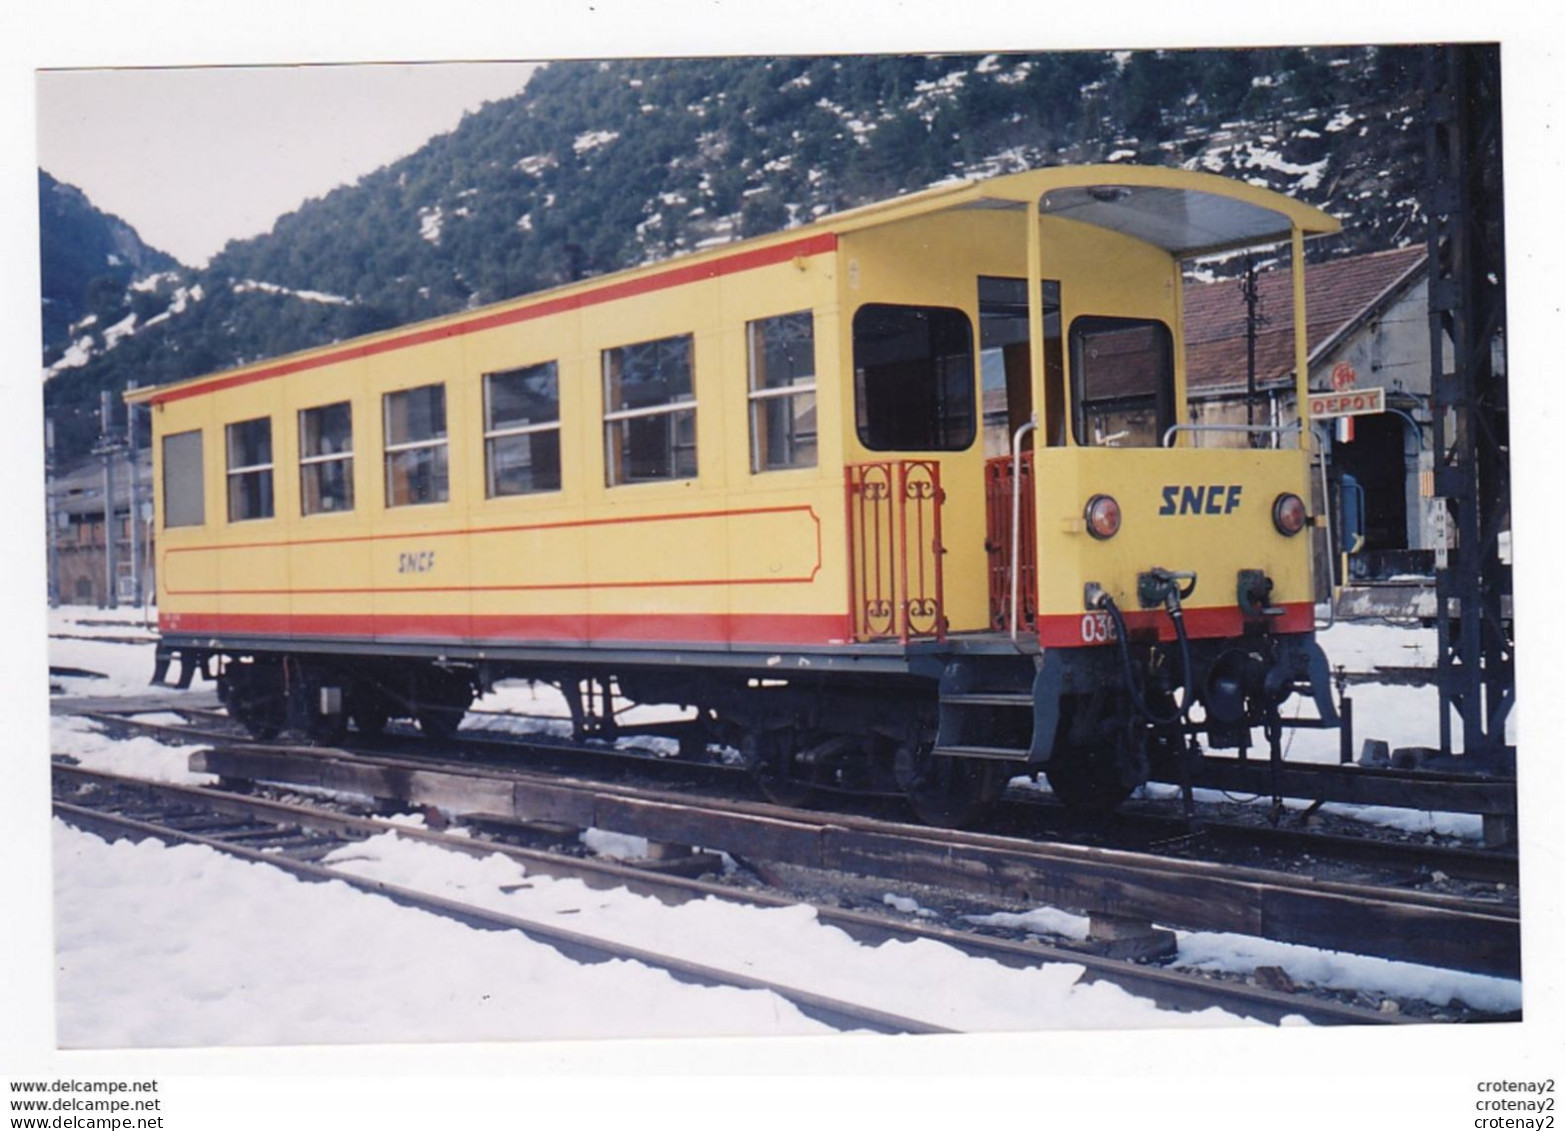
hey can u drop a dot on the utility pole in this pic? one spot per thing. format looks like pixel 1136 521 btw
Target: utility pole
pixel 51 513
pixel 1250 289
pixel 133 510
pixel 108 445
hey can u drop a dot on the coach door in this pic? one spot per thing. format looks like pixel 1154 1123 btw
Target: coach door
pixel 914 517
pixel 1011 540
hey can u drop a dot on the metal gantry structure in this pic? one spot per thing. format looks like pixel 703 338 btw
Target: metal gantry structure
pixel 1470 403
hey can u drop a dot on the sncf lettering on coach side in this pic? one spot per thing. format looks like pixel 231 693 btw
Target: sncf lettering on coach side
pixel 1214 498
pixel 421 561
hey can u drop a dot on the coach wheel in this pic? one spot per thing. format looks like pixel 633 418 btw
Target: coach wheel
pixel 259 729
pixel 370 720
pixel 262 715
pixel 695 739
pixel 254 696
pixel 438 722
pixel 1095 779
pixel 951 792
pixel 444 697
pixel 769 755
pixel 369 709
pixel 327 730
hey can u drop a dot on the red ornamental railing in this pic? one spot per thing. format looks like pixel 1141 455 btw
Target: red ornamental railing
pixel 896 577
pixel 999 485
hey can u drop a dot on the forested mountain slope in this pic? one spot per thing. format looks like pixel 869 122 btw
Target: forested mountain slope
pixel 599 166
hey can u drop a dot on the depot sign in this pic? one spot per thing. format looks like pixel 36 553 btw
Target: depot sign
pixel 1354 402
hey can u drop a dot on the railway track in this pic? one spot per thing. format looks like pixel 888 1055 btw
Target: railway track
pixel 1443 930
pixel 298 838
pixel 1146 828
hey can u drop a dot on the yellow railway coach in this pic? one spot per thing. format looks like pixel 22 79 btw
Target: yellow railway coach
pixel 753 482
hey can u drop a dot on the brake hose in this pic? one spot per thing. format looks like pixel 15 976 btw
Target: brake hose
pixel 1123 639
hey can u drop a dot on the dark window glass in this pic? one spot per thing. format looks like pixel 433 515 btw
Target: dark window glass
pixel 522 430
pixel 326 487
pixel 782 392
pixel 416 415
pixel 913 378
pixel 250 470
pixel 417 475
pixel 416 468
pixel 649 422
pixel 1005 364
pixel 184 482
pixel 326 459
pixel 1122 374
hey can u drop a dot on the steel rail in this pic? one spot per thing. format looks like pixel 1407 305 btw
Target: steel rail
pixel 1478 865
pixel 573 944
pixel 1404 925
pixel 1473 864
pixel 1168 988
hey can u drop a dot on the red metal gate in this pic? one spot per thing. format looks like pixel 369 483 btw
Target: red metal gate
pixel 896 580
pixel 999 482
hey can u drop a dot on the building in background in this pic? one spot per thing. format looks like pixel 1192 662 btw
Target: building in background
pixel 79 558
pixel 1368 347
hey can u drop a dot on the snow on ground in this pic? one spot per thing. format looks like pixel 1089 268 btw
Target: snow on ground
pixel 228 953
pixel 138 756
pixel 123 667
pixel 1241 954
pixel 921 979
pixel 1362 646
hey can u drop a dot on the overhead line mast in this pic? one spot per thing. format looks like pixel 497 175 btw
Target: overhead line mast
pixel 1470 403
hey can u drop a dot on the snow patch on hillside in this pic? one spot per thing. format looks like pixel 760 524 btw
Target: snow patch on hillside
pixel 152 282
pixel 247 285
pixel 77 354
pixel 429 221
pixel 1309 176
pixel 535 164
pixel 593 139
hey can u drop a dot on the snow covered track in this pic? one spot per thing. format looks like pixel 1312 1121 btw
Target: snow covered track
pixel 285 835
pixel 252 836
pixel 1433 929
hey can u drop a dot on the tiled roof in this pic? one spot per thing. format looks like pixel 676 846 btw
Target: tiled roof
pixel 1338 291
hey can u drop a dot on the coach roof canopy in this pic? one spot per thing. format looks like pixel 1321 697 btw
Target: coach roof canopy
pixel 1181 212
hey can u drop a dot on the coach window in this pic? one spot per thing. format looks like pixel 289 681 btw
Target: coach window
pixel 1122 376
pixel 416 459
pixel 184 484
pixel 250 469
pixel 522 430
pixel 1005 365
pixel 326 459
pixel 649 419
pixel 913 386
pixel 782 392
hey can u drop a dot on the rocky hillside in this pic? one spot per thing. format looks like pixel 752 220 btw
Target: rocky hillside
pixel 598 166
pixel 89 259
